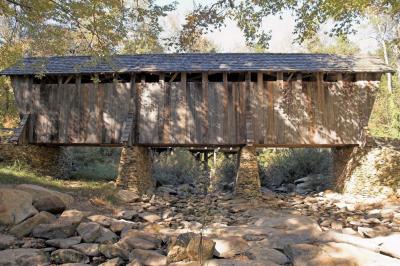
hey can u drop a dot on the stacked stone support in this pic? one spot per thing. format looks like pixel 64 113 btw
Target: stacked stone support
pixel 247 182
pixel 45 160
pixel 370 170
pixel 134 172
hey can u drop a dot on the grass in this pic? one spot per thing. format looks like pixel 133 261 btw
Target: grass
pixel 98 191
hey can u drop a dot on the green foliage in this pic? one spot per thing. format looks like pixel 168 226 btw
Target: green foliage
pixel 385 117
pixel 341 45
pixel 279 166
pixel 93 163
pixel 176 168
pixel 225 169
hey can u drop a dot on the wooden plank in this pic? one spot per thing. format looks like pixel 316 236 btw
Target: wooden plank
pixel 242 112
pixel 259 110
pixel 204 107
pixel 183 113
pixel 160 109
pixel 191 101
pixel 224 94
pixel 20 135
pixel 249 111
pixel 91 134
pixel 167 114
pixel 278 110
pixel 231 115
pixel 100 90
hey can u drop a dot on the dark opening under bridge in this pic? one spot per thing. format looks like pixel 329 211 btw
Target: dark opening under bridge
pixel 196 100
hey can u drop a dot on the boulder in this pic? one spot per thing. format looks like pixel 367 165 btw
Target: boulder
pixel 113 250
pixel 260 254
pixel 229 247
pixel 193 249
pixel 102 220
pixel 6 241
pixel 23 257
pixel 26 227
pixel 89 231
pixel 38 192
pixel 127 196
pixel 113 262
pixel 58 229
pixel 89 249
pixel 126 214
pixel 150 217
pixel 143 235
pixel 177 247
pixel 73 216
pixel 390 245
pixel 136 242
pixel 149 257
pixel 227 262
pixel 68 256
pixel 106 236
pixel 50 203
pixel 15 206
pixel 64 243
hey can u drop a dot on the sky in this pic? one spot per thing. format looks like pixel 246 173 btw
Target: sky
pixel 230 38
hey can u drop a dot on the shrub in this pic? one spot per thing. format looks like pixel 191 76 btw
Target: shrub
pixel 279 166
pixel 177 167
pixel 225 171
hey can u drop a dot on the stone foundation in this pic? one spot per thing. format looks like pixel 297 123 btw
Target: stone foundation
pixel 247 182
pixel 370 170
pixel 45 160
pixel 134 171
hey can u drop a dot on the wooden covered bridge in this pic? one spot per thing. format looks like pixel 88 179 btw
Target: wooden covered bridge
pixel 195 100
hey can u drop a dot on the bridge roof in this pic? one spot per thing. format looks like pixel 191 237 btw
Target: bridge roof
pixel 198 62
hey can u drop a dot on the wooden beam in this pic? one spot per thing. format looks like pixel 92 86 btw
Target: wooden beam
pixel 204 112
pixel 20 135
pixel 127 129
pixel 249 111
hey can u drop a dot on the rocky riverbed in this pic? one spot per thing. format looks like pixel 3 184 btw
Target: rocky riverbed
pixel 178 226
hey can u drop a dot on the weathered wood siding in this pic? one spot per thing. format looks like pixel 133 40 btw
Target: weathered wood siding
pixel 266 113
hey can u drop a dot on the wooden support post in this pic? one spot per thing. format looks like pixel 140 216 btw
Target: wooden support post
pixel 204 109
pixel 249 111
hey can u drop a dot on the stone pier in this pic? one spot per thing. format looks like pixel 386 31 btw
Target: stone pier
pixel 373 169
pixel 247 183
pixel 134 171
pixel 45 160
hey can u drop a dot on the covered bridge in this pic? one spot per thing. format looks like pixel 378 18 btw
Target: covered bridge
pixel 195 100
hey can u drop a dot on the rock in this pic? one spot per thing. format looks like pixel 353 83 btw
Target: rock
pixel 113 262
pixel 52 204
pixel 149 257
pixel 335 254
pixel 134 262
pixel 36 243
pixel 26 227
pixel 193 248
pixel 226 262
pixel 89 231
pixel 267 254
pixel 113 250
pixel 390 245
pixel 126 214
pixel 58 229
pixel 6 241
pixel 64 243
pixel 143 235
pixel 15 206
pixel 89 249
pixel 228 247
pixel 73 216
pixel 120 225
pixel 102 220
pixel 177 247
pixel 150 217
pixel 23 257
pixel 38 192
pixel 68 256
pixel 127 196
pixel 106 236
pixel 136 242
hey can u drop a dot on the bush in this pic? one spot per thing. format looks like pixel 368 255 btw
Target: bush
pixel 91 163
pixel 225 171
pixel 279 166
pixel 177 167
